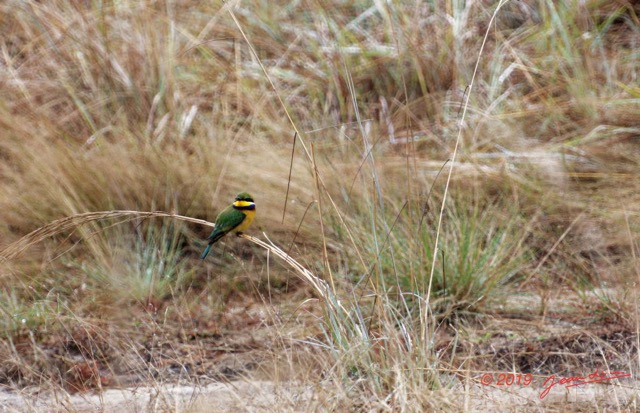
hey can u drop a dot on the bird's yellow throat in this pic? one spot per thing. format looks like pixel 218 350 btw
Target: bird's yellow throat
pixel 244 205
pixel 249 210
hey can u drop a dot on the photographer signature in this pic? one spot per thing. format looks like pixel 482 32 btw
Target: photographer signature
pixel 595 377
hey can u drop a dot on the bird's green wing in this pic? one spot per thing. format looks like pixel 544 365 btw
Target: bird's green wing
pixel 228 220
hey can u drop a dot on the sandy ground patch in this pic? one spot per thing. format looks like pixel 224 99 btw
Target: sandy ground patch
pixel 262 396
pixel 267 396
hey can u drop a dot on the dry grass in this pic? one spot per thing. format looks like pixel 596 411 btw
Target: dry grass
pixel 431 233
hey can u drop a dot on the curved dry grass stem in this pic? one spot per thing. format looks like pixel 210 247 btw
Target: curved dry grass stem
pixel 14 249
pixel 301 138
pixel 62 225
pixel 66 224
pixel 319 285
pixel 452 160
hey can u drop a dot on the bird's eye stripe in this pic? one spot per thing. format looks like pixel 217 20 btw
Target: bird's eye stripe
pixel 251 207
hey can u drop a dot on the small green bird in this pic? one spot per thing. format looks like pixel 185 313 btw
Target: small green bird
pixel 236 217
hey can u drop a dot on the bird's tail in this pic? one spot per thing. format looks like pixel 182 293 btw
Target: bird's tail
pixel 206 251
pixel 213 238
